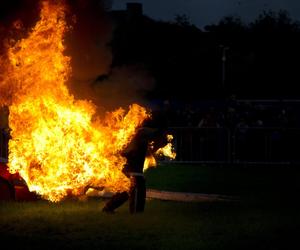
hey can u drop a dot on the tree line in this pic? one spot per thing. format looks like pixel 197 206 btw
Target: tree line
pixel 261 59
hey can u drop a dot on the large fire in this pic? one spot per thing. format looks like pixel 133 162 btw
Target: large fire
pixel 58 144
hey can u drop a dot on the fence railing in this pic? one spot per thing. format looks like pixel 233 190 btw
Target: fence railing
pixel 266 145
pixel 241 145
pixel 202 144
pixel 222 145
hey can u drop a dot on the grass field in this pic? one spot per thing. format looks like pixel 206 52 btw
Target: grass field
pixel 245 181
pixel 254 223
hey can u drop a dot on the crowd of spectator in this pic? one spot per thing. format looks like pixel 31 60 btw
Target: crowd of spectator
pixel 250 130
pixel 233 113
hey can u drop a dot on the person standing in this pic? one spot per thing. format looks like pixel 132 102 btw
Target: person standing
pixel 153 131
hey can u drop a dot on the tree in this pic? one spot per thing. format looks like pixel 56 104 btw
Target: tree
pixel 232 24
pixel 271 21
pixel 182 20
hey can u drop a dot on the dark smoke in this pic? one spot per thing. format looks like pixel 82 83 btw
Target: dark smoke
pixel 93 78
pixel 88 39
pixel 87 44
pixel 26 12
pixel 123 86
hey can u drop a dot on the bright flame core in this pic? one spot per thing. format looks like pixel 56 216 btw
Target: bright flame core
pixel 167 151
pixel 58 145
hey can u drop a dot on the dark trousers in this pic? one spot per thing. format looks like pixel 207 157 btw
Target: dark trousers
pixel 136 197
pixel 137 194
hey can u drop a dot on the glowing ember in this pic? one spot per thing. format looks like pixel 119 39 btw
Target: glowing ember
pixel 57 143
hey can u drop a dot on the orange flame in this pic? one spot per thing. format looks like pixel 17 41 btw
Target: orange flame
pixel 58 144
pixel 166 151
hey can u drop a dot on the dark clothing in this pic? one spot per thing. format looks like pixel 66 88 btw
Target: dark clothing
pixel 116 201
pixel 137 149
pixel 135 154
pixel 136 196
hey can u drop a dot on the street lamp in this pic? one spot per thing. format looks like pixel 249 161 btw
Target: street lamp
pixel 224 49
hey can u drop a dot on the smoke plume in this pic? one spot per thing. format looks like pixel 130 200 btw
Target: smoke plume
pixel 87 44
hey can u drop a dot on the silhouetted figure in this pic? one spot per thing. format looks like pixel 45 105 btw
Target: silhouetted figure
pixel 153 130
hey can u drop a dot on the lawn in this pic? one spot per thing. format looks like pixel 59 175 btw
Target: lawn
pixel 244 181
pixel 244 224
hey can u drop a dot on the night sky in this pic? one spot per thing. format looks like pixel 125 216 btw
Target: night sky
pixel 203 12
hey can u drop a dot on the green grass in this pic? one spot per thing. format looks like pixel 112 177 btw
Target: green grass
pixel 250 181
pixel 256 223
pixel 164 225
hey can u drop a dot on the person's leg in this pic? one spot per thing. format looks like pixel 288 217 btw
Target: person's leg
pixel 137 195
pixel 116 201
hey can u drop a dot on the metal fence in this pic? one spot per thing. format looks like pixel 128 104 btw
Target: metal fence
pixel 221 145
pixel 201 144
pixel 241 145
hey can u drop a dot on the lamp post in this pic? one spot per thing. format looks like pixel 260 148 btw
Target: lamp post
pixel 224 49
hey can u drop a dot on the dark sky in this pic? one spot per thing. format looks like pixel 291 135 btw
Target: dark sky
pixel 203 12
